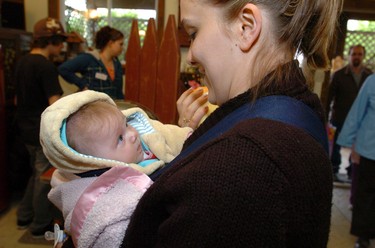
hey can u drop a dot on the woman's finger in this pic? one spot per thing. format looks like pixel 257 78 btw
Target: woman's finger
pixel 198 116
pixel 192 108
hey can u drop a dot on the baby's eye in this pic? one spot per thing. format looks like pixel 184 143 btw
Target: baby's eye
pixel 120 138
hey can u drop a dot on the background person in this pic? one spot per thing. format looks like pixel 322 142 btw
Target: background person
pixel 358 133
pixel 37 87
pixel 249 182
pixel 100 69
pixel 343 89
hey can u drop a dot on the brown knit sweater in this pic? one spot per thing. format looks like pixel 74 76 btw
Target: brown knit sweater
pixel 261 184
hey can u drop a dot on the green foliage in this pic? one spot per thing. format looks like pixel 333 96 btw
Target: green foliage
pixel 366 26
pixel 119 13
pixel 75 20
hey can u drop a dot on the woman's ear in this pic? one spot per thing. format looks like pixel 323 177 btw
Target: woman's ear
pixel 110 42
pixel 251 25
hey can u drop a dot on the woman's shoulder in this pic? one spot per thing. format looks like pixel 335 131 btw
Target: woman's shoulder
pixel 268 138
pixel 253 145
pixel 270 133
pixel 89 55
pixel 260 127
pixel 81 60
pixel 85 56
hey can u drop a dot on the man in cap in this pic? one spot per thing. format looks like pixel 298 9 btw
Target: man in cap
pixel 37 88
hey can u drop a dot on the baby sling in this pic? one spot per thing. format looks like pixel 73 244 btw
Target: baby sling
pixel 278 107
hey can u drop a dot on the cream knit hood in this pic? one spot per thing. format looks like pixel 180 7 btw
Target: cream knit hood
pixel 165 142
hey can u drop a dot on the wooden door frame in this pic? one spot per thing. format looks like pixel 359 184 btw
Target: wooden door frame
pixel 54 9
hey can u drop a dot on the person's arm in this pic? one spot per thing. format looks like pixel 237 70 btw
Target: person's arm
pixel 355 158
pixel 69 69
pixel 356 115
pixel 192 107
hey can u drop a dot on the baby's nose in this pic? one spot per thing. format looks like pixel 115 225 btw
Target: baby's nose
pixel 133 136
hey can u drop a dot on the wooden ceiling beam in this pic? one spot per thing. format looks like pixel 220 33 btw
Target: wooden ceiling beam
pixel 360 9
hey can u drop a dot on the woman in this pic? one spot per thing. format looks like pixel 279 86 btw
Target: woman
pixel 100 69
pixel 259 182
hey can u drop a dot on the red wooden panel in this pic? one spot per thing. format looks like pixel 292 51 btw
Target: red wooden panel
pixel 4 191
pixel 148 67
pixel 168 74
pixel 132 58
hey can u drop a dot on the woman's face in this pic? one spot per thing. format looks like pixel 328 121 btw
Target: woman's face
pixel 116 47
pixel 213 49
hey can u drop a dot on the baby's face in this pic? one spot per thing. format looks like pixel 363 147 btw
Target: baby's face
pixel 118 141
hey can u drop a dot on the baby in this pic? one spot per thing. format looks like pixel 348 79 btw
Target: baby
pixel 103 156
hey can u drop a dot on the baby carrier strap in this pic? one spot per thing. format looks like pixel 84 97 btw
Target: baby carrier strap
pixel 277 107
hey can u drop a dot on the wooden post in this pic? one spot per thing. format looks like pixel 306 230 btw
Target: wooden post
pixel 148 67
pixel 168 74
pixel 133 64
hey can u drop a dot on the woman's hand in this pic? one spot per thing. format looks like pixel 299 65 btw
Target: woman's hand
pixel 192 107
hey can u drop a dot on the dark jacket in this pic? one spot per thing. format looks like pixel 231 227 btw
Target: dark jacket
pixel 342 91
pixel 263 183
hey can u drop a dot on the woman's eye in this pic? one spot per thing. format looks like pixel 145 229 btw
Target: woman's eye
pixel 192 36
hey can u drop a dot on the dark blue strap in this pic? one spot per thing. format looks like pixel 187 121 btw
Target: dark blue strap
pixel 93 173
pixel 279 108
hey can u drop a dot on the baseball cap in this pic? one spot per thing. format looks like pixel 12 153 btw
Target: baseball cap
pixel 48 27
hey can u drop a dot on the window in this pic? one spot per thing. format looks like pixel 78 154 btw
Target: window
pixel 86 18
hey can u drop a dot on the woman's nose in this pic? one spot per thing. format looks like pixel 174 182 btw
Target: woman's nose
pixel 189 58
